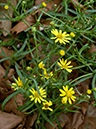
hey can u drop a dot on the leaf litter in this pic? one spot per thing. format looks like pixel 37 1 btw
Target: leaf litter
pixel 11 117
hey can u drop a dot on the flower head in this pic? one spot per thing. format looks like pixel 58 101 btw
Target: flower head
pixel 6 7
pixel 47 75
pixel 61 37
pixel 64 65
pixel 46 105
pixel 72 34
pixel 41 65
pixel 37 96
pixel 89 91
pixel 18 84
pixel 44 4
pixel 67 95
pixel 62 52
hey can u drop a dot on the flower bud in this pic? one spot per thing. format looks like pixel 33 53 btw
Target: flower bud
pixel 89 91
pixel 33 29
pixel 28 68
pixel 72 34
pixel 6 7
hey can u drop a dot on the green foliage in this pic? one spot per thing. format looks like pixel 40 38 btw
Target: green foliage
pixel 53 76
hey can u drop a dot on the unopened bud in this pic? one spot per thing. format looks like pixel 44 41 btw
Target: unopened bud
pixel 28 68
pixel 33 29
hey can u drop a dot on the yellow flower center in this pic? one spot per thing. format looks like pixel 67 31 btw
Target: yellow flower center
pixel 65 66
pixel 46 106
pixel 69 94
pixel 59 36
pixel 20 84
pixel 36 95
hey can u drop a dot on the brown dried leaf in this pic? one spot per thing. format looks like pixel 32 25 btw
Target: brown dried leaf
pixel 50 5
pixel 92 49
pixel 77 120
pixel 30 121
pixel 21 26
pixel 90 122
pixel 11 105
pixel 91 111
pixel 62 118
pixel 5 90
pixel 9 121
pixel 6 24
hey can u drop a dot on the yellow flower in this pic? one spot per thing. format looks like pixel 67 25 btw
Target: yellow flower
pixel 18 84
pixel 64 65
pixel 61 37
pixel 62 52
pixel 68 95
pixel 47 75
pixel 41 65
pixel 89 91
pixel 6 7
pixel 72 34
pixel 44 4
pixel 37 96
pixel 46 105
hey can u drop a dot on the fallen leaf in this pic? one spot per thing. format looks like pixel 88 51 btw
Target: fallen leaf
pixel 11 105
pixel 9 121
pixel 78 119
pixel 63 120
pixel 91 111
pixel 89 123
pixel 30 120
pixel 50 5
pixel 92 49
pixel 21 26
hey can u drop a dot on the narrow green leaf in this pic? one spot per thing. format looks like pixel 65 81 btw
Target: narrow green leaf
pixel 93 86
pixel 81 80
pixel 43 115
pixel 28 107
pixel 25 104
pixel 8 98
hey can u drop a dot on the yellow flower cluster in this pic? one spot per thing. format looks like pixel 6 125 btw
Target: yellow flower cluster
pixel 46 75
pixel 39 96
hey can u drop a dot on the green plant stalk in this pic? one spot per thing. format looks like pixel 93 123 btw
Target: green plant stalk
pixel 43 115
pixel 34 34
pixel 80 77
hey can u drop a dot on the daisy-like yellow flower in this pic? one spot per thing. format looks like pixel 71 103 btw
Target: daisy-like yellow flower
pixel 18 83
pixel 72 34
pixel 47 75
pixel 67 95
pixel 46 105
pixel 6 7
pixel 64 65
pixel 62 52
pixel 41 65
pixel 61 37
pixel 37 96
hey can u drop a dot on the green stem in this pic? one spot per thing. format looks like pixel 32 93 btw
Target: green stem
pixel 80 77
